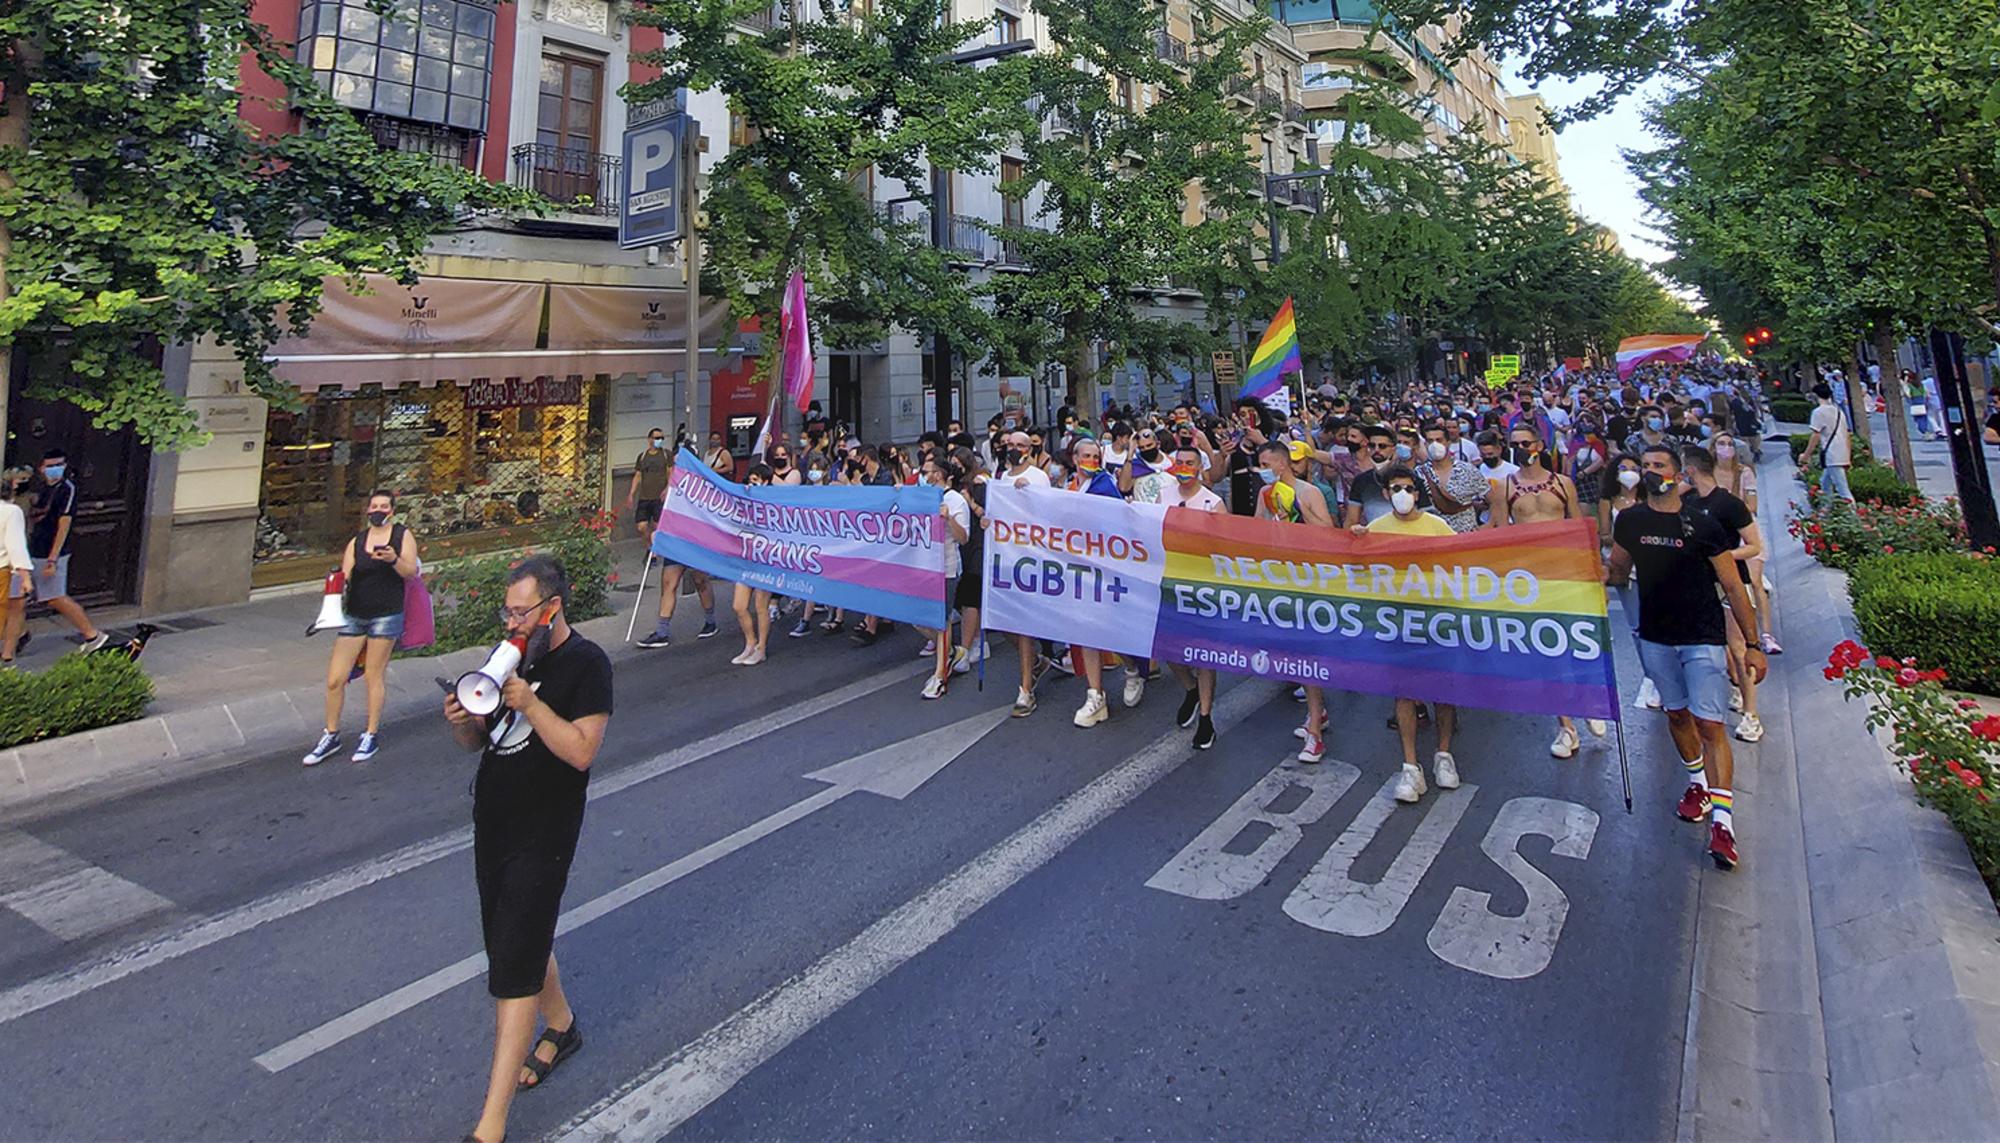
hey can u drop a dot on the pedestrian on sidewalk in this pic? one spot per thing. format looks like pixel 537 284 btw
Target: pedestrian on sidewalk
pixel 48 543
pixel 1832 444
pixel 527 811
pixel 17 567
pixel 649 484
pixel 376 562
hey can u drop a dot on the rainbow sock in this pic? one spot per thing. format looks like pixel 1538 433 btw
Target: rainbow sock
pixel 1720 802
pixel 1695 768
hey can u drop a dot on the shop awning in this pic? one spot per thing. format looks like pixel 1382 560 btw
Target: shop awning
pixel 459 314
pixel 626 317
pixel 394 370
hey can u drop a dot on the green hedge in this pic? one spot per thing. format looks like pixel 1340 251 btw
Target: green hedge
pixel 1879 483
pixel 73 694
pixel 1792 407
pixel 1940 608
pixel 466 592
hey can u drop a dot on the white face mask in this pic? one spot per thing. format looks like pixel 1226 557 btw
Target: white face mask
pixel 1436 450
pixel 815 475
pixel 1628 478
pixel 1403 501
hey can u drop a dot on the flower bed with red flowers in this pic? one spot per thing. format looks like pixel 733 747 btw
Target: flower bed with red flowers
pixel 1947 746
pixel 1841 534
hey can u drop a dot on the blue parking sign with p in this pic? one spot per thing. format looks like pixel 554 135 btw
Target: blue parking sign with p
pixel 652 209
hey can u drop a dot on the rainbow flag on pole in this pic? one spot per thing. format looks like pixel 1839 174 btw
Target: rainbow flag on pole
pixel 1277 355
pixel 1636 351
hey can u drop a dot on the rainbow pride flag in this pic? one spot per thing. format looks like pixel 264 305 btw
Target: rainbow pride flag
pixel 1277 354
pixel 1507 619
pixel 1636 351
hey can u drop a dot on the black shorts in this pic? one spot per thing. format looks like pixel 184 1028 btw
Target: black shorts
pixel 521 883
pixel 966 594
pixel 646 512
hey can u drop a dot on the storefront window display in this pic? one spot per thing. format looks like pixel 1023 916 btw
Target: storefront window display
pixel 471 465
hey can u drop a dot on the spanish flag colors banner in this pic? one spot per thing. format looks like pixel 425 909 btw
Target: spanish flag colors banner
pixel 1511 619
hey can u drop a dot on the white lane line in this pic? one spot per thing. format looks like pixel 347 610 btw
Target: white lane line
pixel 66 896
pixel 673 1090
pixel 40 993
pixel 893 771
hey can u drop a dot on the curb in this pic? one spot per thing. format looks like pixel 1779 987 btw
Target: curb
pixel 156 749
pixel 1905 937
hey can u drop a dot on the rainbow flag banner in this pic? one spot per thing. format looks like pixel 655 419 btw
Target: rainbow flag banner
pixel 1636 351
pixel 875 551
pixel 1510 619
pixel 1277 354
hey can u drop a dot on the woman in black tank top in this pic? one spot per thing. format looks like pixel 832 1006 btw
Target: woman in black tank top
pixel 377 563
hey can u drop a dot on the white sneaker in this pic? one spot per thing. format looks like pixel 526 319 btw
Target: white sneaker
pixel 1410 784
pixel 1751 729
pixel 960 661
pixel 930 648
pixel 933 688
pixel 1446 769
pixel 1314 749
pixel 1735 698
pixel 752 657
pixel 1301 732
pixel 1597 726
pixel 1135 689
pixel 1565 745
pixel 1093 711
pixel 977 653
pixel 1649 696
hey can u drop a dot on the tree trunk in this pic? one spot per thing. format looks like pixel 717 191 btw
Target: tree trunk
pixel 1895 400
pixel 1858 407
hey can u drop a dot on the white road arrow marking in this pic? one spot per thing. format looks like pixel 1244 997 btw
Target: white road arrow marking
pixel 894 771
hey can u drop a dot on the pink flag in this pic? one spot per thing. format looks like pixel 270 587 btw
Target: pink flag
pixel 797 356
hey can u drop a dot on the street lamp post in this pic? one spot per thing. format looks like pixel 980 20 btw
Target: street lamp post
pixel 1962 426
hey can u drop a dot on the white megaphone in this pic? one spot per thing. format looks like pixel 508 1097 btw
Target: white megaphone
pixel 479 691
pixel 331 616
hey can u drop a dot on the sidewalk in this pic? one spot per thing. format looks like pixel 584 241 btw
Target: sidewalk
pixel 231 681
pixel 1848 975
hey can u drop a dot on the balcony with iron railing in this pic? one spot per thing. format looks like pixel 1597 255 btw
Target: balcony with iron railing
pixel 1170 47
pixel 1269 102
pixel 576 181
pixel 1295 113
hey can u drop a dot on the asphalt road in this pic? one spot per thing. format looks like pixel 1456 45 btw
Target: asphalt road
pixel 1058 934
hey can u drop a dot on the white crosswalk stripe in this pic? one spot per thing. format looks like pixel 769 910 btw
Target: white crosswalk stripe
pixel 66 896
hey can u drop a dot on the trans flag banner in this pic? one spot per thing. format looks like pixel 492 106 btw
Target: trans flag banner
pixel 874 551
pixel 1506 619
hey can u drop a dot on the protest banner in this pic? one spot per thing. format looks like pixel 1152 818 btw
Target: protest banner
pixel 1510 619
pixel 874 551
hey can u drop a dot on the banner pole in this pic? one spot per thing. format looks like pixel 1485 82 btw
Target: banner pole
pixel 643 578
pixel 1624 764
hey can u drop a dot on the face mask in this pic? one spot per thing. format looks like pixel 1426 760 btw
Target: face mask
pixel 1524 455
pixel 1707 431
pixel 1628 478
pixel 1152 455
pixel 1185 473
pixel 1088 466
pixel 1403 501
pixel 1011 458
pixel 816 475
pixel 657 442
pixel 55 471
pixel 1656 423
pixel 1725 452
pixel 1267 476
pixel 1493 461
pixel 377 519
pixel 1402 452
pixel 1436 450
pixel 1657 485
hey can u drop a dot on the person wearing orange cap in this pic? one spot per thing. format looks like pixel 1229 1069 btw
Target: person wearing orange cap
pixel 1288 498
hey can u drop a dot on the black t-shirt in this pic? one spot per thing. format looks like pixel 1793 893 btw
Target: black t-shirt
pixel 531 798
pixel 52 503
pixel 1670 556
pixel 1728 510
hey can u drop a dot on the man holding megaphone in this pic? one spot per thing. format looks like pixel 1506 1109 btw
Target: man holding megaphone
pixel 554 701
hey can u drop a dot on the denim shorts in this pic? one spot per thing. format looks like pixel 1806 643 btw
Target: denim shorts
pixel 1693 677
pixel 387 627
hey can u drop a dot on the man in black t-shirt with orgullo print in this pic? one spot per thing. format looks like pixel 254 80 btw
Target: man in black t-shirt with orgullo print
pixel 1681 557
pixel 527 810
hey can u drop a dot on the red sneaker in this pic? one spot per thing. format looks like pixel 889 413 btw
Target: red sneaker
pixel 1694 803
pixel 1722 846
